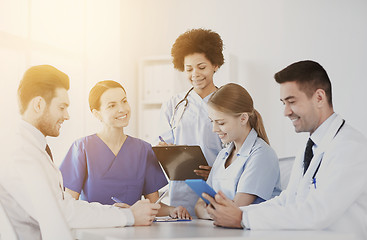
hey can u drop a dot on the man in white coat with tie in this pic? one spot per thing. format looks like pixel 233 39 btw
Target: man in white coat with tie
pixel 328 183
pixel 31 178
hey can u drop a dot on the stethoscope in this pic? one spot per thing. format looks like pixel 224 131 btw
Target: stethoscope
pixel 174 122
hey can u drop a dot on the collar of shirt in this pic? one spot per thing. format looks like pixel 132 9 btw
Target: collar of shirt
pixel 246 147
pixel 29 129
pixel 197 96
pixel 320 132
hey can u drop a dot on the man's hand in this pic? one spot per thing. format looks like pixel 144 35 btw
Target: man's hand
pixel 144 212
pixel 203 171
pixel 180 213
pixel 223 211
pixel 121 205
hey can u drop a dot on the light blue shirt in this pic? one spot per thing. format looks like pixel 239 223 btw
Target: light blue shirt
pixel 192 127
pixel 255 170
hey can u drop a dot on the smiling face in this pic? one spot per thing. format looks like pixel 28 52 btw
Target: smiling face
pixel 300 109
pixel 115 109
pixel 199 71
pixel 54 114
pixel 229 127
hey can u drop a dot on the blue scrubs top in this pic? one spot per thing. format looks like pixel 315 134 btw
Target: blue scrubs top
pixel 91 168
pixel 254 171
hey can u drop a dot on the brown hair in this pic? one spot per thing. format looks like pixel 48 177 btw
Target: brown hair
pixel 198 40
pixel 97 91
pixel 233 98
pixel 41 80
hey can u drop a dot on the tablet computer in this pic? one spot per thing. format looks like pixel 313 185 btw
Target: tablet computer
pixel 200 186
pixel 180 161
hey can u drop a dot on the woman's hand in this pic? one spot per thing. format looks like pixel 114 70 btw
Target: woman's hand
pixel 203 171
pixel 180 213
pixel 200 210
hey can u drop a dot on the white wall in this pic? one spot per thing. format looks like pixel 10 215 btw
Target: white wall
pixel 262 37
pixel 80 37
pixel 93 40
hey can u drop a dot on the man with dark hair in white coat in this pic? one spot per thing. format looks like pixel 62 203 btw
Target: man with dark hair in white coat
pixel 328 184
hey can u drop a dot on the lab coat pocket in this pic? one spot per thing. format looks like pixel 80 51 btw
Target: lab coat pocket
pixel 313 185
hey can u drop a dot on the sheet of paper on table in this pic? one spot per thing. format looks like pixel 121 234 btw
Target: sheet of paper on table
pixel 169 219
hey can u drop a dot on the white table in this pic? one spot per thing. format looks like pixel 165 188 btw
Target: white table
pixel 200 229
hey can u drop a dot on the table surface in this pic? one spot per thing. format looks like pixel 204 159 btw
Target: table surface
pixel 199 229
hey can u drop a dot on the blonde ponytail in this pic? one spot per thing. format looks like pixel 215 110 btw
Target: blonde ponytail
pixel 256 122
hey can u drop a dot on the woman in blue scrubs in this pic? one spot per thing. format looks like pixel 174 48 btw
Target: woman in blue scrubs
pixel 247 170
pixel 184 118
pixel 111 164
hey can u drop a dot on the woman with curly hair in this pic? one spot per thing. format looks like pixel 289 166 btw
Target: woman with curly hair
pixel 184 118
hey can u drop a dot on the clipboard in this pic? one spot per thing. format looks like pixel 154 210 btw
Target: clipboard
pixel 180 161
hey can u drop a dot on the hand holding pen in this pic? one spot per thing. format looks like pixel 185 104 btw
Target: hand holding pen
pixel 119 203
pixel 162 196
pixel 163 142
pixel 161 139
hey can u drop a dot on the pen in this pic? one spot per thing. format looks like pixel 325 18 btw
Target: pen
pixel 161 139
pixel 116 200
pixel 314 182
pixel 162 196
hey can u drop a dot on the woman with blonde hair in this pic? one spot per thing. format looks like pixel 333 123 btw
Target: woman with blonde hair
pixel 247 170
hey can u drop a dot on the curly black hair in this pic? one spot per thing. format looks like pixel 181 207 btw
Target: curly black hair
pixel 197 41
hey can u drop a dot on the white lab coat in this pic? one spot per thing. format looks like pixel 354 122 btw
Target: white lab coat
pixel 36 184
pixel 339 201
pixel 193 128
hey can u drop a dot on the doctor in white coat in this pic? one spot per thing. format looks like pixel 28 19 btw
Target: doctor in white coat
pixel 35 182
pixel 332 192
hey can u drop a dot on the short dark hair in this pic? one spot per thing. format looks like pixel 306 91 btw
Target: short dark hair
pixel 97 91
pixel 309 75
pixel 41 80
pixel 197 41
